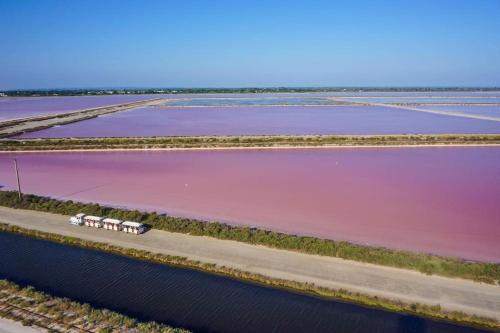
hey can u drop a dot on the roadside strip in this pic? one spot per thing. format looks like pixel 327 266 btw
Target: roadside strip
pixel 326 276
pixel 250 142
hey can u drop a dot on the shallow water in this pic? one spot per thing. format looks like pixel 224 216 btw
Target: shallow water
pixel 427 99
pixel 438 200
pixel 22 107
pixel 251 101
pixel 493 111
pixel 263 120
pixel 187 298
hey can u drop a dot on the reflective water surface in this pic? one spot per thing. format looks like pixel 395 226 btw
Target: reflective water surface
pixel 267 120
pixel 187 298
pixel 442 200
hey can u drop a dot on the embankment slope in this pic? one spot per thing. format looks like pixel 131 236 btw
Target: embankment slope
pixel 398 284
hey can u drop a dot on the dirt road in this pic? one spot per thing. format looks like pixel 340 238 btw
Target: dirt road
pixel 404 285
pixel 17 126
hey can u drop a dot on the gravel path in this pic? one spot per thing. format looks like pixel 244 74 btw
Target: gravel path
pixel 404 285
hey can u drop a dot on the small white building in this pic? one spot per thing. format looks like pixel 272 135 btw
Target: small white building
pixel 133 227
pixel 112 224
pixel 93 221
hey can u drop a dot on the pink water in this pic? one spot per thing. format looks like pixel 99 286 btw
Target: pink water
pixel 438 200
pixel 23 107
pixel 485 110
pixel 262 120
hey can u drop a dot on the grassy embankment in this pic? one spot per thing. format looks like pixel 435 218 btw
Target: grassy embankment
pixel 433 311
pixel 55 314
pixel 426 263
pixel 246 141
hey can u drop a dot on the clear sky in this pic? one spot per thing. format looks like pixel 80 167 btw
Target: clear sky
pixel 184 43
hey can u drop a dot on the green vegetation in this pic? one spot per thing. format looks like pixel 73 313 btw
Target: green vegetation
pixel 55 314
pixel 244 141
pixel 426 263
pixel 159 90
pixel 433 311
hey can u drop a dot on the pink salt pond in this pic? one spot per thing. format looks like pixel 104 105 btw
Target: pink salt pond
pixel 24 107
pixel 266 120
pixel 437 200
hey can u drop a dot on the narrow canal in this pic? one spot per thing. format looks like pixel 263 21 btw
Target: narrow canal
pixel 199 301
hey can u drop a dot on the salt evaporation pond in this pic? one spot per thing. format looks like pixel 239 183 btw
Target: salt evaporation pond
pixel 23 107
pixel 248 101
pixel 267 120
pixel 329 99
pixel 439 200
pixel 492 111
pixel 425 100
pixel 421 94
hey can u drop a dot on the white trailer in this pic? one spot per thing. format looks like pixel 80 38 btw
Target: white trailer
pixel 133 227
pixel 93 221
pixel 112 224
pixel 108 223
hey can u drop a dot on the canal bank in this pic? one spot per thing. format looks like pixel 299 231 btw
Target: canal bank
pixel 11 326
pixel 26 310
pixel 260 262
pixel 188 298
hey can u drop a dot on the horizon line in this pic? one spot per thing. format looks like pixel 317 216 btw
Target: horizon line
pixel 378 87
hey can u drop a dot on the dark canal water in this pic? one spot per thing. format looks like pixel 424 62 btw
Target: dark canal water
pixel 182 297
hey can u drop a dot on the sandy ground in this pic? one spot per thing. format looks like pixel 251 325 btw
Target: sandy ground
pixel 404 285
pixel 10 326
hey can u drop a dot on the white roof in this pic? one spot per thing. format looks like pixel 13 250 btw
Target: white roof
pixel 96 218
pixel 114 221
pixel 132 224
pixel 80 215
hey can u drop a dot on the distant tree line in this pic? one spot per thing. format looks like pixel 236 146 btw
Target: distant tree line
pixel 250 90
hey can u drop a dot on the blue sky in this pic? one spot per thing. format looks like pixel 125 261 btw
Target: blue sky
pixel 89 43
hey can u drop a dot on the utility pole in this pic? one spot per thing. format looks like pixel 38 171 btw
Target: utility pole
pixel 18 182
